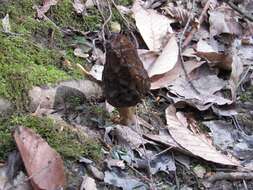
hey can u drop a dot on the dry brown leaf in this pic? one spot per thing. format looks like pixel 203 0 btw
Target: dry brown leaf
pixel 192 142
pixel 206 84
pixel 206 51
pixel 46 6
pixel 160 81
pixel 153 26
pixel 43 164
pixel 167 59
pixel 147 57
pixel 224 20
pixel 79 6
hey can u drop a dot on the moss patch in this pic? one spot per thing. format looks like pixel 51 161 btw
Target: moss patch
pixel 247 96
pixel 23 65
pixel 70 143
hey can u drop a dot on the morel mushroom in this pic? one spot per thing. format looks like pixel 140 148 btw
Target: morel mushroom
pixel 125 80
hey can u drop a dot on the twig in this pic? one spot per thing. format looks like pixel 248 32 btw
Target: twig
pixel 194 30
pixel 180 49
pixel 87 74
pixel 139 173
pixel 230 176
pixel 165 150
pixel 237 9
pixel 244 76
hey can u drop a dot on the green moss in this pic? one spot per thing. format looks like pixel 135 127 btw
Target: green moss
pixel 71 144
pixel 124 2
pixel 19 9
pixel 23 65
pixel 247 96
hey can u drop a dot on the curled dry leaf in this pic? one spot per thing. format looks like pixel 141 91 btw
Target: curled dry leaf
pixel 43 164
pixel 78 6
pixel 46 6
pixel 192 142
pixel 153 26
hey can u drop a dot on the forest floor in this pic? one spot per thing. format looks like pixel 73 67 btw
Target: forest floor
pixel 42 88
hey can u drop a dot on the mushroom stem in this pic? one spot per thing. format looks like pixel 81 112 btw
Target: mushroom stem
pixel 127 116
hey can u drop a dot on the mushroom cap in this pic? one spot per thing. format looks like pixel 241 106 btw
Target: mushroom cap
pixel 125 80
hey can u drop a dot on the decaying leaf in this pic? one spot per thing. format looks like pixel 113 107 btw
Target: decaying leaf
pixel 88 183
pixel 213 56
pixel 128 137
pixel 120 179
pixel 153 27
pixel 79 6
pixel 192 142
pixel 224 20
pixel 41 11
pixel 42 162
pixel 163 162
pixel 207 85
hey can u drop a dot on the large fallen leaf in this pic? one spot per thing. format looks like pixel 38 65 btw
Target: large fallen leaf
pixel 41 11
pixel 193 143
pixel 153 26
pixel 163 80
pixel 167 59
pixel 42 163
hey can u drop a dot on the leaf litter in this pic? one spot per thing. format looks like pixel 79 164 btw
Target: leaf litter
pixel 214 63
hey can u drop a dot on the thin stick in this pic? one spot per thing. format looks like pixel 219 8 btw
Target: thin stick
pixel 194 30
pixel 237 9
pixel 230 176
pixel 180 49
